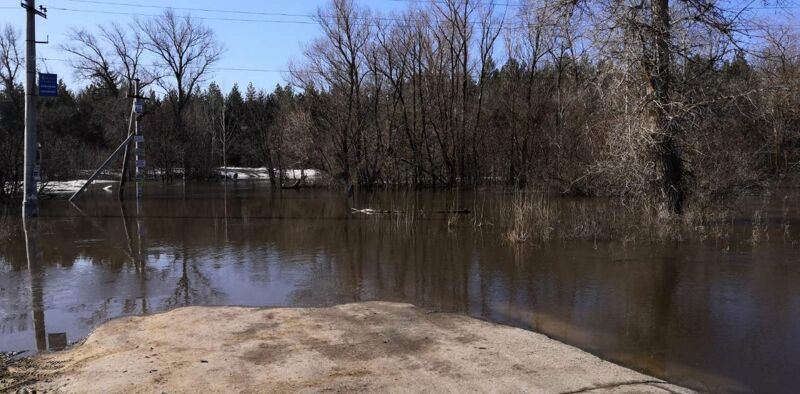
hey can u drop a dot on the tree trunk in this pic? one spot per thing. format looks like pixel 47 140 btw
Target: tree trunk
pixel 667 152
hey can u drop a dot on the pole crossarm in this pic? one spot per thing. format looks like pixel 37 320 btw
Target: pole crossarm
pixel 40 12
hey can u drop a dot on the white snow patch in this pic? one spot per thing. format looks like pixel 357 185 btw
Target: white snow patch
pixel 59 187
pixel 261 173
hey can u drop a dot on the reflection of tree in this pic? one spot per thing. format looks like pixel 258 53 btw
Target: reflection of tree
pixel 193 287
pixel 100 314
pixel 369 258
pixel 663 296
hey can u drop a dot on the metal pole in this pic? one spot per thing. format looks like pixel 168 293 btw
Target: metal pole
pixel 123 176
pixel 139 156
pixel 102 167
pixel 29 203
pixel 138 141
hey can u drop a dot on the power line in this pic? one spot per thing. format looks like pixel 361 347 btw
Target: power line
pixel 254 20
pixel 522 5
pixel 505 27
pixel 196 17
pixel 226 11
pixel 313 17
pixel 242 12
pixel 243 20
pixel 248 69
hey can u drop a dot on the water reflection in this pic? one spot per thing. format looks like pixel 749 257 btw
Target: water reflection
pixel 692 313
pixel 36 273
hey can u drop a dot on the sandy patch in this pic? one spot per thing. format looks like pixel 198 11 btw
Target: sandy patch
pixel 373 346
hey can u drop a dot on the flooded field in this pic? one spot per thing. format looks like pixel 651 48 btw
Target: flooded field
pixel 717 315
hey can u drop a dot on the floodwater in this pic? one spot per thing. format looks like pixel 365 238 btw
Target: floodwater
pixel 710 316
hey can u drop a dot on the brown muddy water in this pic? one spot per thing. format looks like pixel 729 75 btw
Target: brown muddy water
pixel 722 315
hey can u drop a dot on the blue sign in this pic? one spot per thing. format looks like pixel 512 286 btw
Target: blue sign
pixel 48 85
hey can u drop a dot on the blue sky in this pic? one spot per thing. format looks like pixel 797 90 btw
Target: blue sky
pixel 254 45
pixel 267 44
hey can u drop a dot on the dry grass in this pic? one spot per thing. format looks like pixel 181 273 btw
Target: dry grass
pixel 786 227
pixel 532 218
pixel 759 230
pixel 6 226
pixel 536 218
pixel 5 231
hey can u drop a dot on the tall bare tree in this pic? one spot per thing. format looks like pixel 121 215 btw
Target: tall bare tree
pixel 110 58
pixel 337 63
pixel 186 50
pixel 127 44
pixel 92 59
pixel 10 57
pixel 11 106
pixel 637 40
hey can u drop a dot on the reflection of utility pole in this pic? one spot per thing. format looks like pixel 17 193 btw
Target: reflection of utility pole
pixel 29 203
pixel 225 207
pixel 35 270
pixel 129 243
pixel 138 256
pixel 141 252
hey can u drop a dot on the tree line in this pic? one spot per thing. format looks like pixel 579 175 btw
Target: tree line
pixel 682 100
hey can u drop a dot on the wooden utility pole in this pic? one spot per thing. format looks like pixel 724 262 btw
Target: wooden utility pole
pixel 30 206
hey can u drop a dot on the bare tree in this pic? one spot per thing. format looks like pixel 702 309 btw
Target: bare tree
pixel 127 45
pixel 337 63
pixel 186 50
pixel 490 28
pixel 637 42
pixel 780 65
pixel 10 58
pixel 608 97
pixel 658 64
pixel 11 105
pixel 111 58
pixel 92 60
